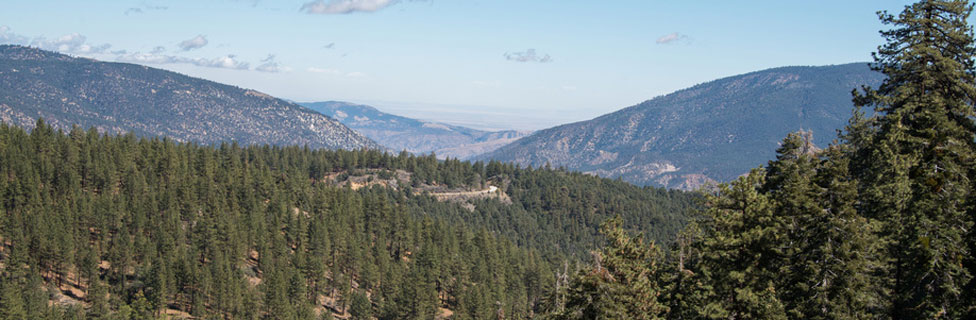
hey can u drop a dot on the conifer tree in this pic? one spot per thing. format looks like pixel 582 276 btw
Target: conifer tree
pixel 360 308
pixel 12 305
pixel 623 283
pixel 830 250
pixel 742 252
pixel 916 168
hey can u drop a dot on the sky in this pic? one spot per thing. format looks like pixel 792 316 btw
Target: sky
pixel 489 64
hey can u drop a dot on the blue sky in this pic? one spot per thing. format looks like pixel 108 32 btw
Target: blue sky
pixel 494 64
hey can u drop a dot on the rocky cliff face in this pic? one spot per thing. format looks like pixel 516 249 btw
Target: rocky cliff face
pixel 714 131
pixel 119 97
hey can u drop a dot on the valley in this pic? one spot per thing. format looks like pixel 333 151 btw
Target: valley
pixel 154 164
pixel 416 136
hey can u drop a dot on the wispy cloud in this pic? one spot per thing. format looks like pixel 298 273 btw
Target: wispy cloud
pixel 345 6
pixel 527 56
pixel 672 38
pixel 144 8
pixel 194 43
pixel 225 62
pixel 269 65
pixel 331 45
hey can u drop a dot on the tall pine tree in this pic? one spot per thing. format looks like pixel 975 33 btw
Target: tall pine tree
pixel 742 252
pixel 917 164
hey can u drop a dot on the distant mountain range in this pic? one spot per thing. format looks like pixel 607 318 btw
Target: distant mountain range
pixel 710 132
pixel 714 131
pixel 120 97
pixel 416 136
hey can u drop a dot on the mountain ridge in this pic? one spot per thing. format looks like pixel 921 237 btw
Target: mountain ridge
pixel 122 97
pixel 713 131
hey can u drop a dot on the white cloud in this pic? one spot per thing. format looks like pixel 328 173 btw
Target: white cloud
pixel 670 38
pixel 527 56
pixel 356 74
pixel 225 62
pixel 345 6
pixel 194 43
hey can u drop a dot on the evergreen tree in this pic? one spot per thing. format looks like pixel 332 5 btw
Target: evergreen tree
pixel 624 282
pixel 360 308
pixel 742 252
pixel 12 306
pixel 917 167
pixel 831 249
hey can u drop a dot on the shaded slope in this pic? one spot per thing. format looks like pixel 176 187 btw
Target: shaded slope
pixel 120 97
pixel 712 131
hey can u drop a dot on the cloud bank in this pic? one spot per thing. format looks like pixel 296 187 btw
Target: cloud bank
pixel 73 43
pixel 225 62
pixel 77 44
pixel 8 37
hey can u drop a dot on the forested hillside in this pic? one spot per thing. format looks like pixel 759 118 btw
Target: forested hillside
pixel 126 227
pixel 877 226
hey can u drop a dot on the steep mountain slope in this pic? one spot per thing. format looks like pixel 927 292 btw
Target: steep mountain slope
pixel 712 131
pixel 119 97
pixel 416 136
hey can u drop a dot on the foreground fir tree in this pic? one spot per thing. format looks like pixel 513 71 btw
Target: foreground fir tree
pixel 916 164
pixel 623 283
pixel 830 249
pixel 742 252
